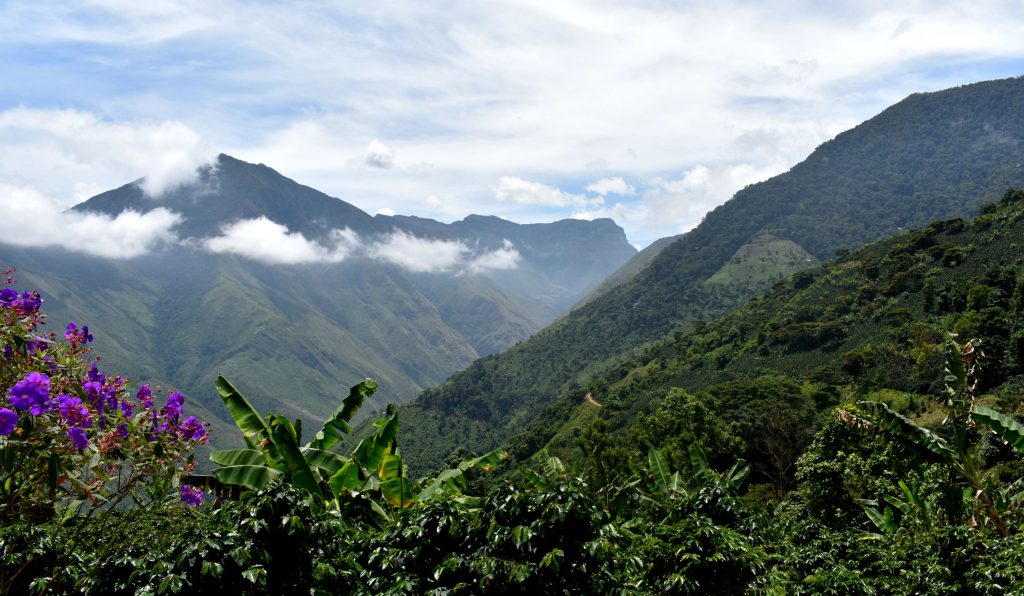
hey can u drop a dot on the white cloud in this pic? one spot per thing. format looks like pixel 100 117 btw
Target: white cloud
pixel 615 186
pixel 379 156
pixel 263 240
pixel 385 211
pixel 534 89
pixel 167 153
pixel 511 189
pixel 422 255
pixel 506 257
pixel 29 218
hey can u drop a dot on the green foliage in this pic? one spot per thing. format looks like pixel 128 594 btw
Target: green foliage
pixel 929 157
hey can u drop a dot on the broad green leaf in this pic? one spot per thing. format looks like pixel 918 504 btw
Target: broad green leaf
pixel 737 474
pixel 486 462
pixel 702 470
pixel 535 479
pixel 238 457
pixel 370 451
pixel 251 477
pixel 286 439
pixel 909 433
pixel 393 483
pixel 337 425
pixel 1003 426
pixel 659 467
pixel 454 478
pixel 325 460
pixel 346 479
pixel 553 467
pixel 253 428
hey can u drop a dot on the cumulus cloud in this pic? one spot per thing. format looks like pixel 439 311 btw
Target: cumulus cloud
pixel 29 218
pixel 379 156
pixel 512 189
pixel 166 153
pixel 614 186
pixel 267 241
pixel 385 211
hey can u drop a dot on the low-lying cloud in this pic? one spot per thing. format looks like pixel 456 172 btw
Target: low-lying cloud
pixel 29 218
pixel 269 242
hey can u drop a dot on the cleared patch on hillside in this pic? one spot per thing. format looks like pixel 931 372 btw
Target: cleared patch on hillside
pixel 765 260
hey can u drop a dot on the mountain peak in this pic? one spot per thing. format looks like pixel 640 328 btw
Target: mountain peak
pixel 231 190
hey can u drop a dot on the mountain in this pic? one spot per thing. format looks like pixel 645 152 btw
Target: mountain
pixel 931 156
pixel 870 324
pixel 295 337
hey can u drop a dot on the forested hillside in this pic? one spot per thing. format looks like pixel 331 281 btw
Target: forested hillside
pixel 871 324
pixel 931 156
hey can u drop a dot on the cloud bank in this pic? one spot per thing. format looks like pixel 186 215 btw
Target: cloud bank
pixel 269 242
pixel 29 218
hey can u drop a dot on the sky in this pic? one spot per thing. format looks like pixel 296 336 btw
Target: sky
pixel 648 112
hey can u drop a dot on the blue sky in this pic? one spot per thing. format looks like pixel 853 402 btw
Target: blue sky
pixel 648 112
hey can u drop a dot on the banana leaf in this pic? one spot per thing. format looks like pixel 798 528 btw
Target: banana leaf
pixel 251 477
pixel 337 425
pixel 325 460
pixel 907 432
pixel 238 457
pixel 1003 426
pixel 286 439
pixel 254 429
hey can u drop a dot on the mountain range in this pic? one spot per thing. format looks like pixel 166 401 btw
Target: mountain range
pixel 931 156
pixel 405 300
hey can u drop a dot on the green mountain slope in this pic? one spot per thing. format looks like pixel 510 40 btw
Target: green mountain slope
pixel 870 324
pixel 295 337
pixel 928 157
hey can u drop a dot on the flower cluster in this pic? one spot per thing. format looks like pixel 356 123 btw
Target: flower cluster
pixel 59 411
pixel 107 406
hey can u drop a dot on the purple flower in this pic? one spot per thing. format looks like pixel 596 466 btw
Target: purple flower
pixel 7 297
pixel 172 410
pixel 8 352
pixel 31 393
pixel 191 495
pixel 73 411
pixel 8 420
pixel 192 430
pixel 78 438
pixel 145 396
pixel 96 376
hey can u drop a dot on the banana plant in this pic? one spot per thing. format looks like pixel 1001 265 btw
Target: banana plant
pixel 273 449
pixel 963 415
pixel 913 506
pixel 273 454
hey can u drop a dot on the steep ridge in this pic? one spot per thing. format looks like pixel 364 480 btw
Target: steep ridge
pixel 931 156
